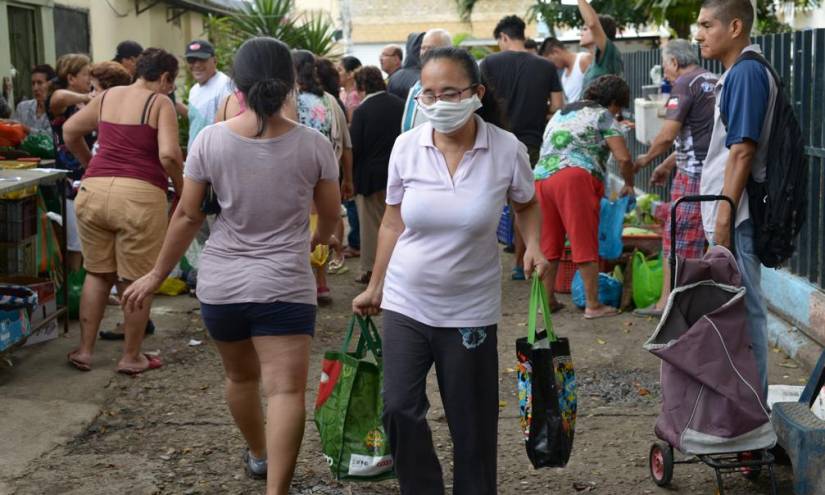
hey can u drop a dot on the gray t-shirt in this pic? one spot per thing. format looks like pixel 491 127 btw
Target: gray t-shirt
pixel 258 250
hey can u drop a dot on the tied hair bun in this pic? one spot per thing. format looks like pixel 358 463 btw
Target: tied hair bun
pixel 267 96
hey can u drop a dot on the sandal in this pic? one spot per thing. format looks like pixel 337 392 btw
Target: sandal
pixel 337 266
pixel 364 278
pixel 351 252
pixel 324 295
pixel 80 365
pixel 604 312
pixel 255 468
pixel 154 363
pixel 518 274
pixel 649 311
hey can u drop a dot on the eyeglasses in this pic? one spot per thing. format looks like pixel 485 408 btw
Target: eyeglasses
pixel 451 96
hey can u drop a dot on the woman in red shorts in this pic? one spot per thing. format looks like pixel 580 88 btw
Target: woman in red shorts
pixel 570 178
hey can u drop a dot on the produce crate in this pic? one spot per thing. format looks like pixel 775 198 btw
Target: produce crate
pixel 18 219
pixel 19 258
pixel 566 272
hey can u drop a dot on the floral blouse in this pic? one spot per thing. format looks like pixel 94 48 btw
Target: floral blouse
pixel 577 136
pixel 314 113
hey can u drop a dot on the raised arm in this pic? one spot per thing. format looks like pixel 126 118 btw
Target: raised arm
pixel 80 124
pixel 63 99
pixel 591 20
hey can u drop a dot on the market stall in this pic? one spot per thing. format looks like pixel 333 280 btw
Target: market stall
pixel 28 282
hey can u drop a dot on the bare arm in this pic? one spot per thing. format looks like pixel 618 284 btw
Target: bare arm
pixel 78 125
pixel 556 102
pixel 182 109
pixel 621 154
pixel 169 152
pixel 662 172
pixel 347 188
pixel 737 171
pixel 528 221
pixel 392 226
pixel 591 20
pixel 661 143
pixel 327 200
pixel 63 99
pixel 184 226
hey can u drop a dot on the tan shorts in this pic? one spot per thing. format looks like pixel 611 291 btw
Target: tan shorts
pixel 122 223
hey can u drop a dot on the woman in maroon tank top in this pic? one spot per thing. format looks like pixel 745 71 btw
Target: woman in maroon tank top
pixel 121 205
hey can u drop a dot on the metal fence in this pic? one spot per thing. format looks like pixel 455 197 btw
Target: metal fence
pixel 798 57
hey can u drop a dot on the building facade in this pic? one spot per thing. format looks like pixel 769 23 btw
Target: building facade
pixel 39 31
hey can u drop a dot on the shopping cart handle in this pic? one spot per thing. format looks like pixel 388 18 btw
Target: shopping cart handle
pixel 700 198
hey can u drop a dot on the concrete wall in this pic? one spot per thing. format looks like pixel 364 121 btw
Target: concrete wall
pixel 111 24
pixel 384 21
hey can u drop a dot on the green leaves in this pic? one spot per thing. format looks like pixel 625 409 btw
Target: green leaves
pixel 313 31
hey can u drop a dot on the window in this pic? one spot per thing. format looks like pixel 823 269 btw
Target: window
pixel 71 31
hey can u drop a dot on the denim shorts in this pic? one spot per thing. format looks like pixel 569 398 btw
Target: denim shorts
pixel 235 322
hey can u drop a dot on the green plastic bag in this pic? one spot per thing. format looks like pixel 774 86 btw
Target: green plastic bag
pixel 75 281
pixel 38 144
pixel 647 280
pixel 349 407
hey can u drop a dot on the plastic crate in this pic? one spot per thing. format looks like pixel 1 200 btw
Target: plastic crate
pixel 566 272
pixel 505 232
pixel 18 219
pixel 19 258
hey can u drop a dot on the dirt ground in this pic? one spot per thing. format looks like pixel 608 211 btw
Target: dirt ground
pixel 169 431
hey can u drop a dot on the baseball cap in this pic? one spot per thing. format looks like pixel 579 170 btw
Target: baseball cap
pixel 127 49
pixel 199 49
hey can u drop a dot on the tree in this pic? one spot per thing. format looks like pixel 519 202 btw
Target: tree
pixel 679 15
pixel 312 30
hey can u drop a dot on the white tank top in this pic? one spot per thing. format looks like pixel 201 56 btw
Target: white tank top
pixel 572 83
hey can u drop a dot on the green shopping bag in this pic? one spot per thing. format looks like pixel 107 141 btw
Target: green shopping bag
pixel 647 280
pixel 349 407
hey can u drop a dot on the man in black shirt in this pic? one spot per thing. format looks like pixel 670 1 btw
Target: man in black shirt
pixel 528 88
pixel 526 85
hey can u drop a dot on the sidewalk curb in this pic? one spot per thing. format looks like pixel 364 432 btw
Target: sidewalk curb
pixel 792 341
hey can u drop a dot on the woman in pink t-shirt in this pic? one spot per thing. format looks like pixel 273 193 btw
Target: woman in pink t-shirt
pixel 437 275
pixel 255 285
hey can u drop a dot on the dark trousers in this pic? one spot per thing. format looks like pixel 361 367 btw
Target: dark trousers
pixel 466 365
pixel 354 237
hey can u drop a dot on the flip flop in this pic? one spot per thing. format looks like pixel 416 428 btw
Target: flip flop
pixel 80 365
pixel 154 363
pixel 646 312
pixel 603 314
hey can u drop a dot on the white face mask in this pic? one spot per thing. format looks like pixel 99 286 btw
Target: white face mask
pixel 447 117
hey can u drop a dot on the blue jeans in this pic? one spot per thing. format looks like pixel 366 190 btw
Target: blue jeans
pixel 751 269
pixel 354 236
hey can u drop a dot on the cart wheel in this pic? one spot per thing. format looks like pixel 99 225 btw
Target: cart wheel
pixel 661 463
pixel 751 473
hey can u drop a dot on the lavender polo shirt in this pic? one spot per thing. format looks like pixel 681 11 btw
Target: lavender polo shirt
pixel 445 269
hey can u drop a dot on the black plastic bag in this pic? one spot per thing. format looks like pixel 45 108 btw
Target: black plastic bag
pixel 546 388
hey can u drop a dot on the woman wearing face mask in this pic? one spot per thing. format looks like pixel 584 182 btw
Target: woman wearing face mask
pixel 437 275
pixel 121 204
pixel 32 113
